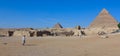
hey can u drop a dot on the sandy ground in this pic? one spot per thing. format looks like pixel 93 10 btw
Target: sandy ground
pixel 61 46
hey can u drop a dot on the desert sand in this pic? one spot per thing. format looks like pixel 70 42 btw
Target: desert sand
pixel 61 46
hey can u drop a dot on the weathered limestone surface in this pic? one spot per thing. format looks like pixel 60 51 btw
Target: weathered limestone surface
pixel 103 22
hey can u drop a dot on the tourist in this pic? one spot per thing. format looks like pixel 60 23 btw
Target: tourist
pixel 23 40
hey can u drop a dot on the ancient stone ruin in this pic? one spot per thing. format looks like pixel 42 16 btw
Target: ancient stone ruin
pixel 58 26
pixel 104 22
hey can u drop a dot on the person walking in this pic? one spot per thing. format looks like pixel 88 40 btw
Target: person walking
pixel 23 40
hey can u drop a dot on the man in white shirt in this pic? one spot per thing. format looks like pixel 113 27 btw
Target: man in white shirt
pixel 23 40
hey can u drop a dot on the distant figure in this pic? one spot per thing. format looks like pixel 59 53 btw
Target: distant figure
pixel 23 40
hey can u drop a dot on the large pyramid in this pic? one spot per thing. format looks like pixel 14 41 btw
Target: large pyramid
pixel 58 25
pixel 104 20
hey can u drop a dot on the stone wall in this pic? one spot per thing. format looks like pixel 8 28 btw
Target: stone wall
pixel 4 33
pixel 21 33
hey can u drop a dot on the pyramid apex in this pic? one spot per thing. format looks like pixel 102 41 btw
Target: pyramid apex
pixel 104 12
pixel 104 9
pixel 58 25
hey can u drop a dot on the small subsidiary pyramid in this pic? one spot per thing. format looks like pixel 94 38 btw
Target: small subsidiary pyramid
pixel 104 20
pixel 58 26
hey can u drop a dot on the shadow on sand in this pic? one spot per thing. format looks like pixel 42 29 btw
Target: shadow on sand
pixel 30 45
pixel 4 43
